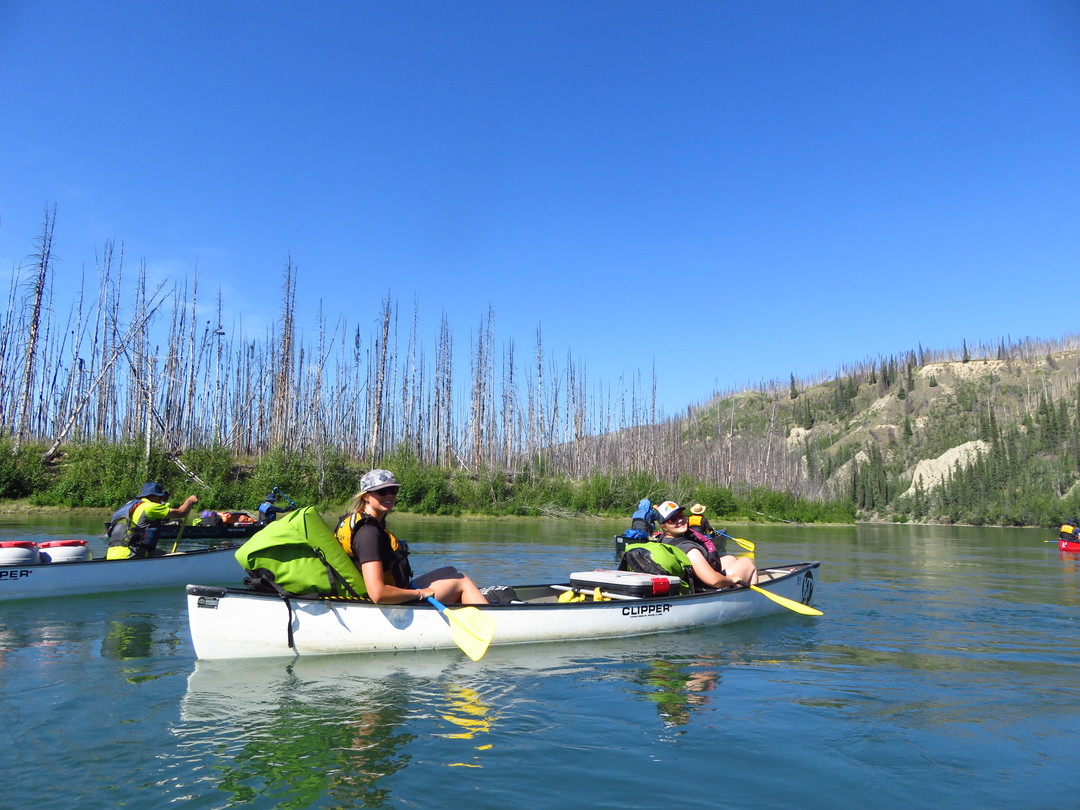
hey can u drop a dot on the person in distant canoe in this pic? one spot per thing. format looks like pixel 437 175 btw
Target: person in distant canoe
pixel 698 521
pixel 133 528
pixel 269 510
pixel 1070 531
pixel 383 559
pixel 711 568
pixel 642 522
pixel 703 530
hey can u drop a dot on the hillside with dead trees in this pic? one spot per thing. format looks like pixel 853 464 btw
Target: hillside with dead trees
pixel 983 434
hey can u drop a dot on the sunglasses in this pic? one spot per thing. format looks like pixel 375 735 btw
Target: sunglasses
pixel 679 519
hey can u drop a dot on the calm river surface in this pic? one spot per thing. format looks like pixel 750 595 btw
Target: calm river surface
pixel 942 675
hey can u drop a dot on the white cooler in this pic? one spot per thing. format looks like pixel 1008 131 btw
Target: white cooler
pixel 626 583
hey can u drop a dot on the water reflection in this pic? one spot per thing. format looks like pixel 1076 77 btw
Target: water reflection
pixel 128 637
pixel 678 688
pixel 343 726
pixel 295 732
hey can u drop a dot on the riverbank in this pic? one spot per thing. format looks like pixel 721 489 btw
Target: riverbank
pixel 330 514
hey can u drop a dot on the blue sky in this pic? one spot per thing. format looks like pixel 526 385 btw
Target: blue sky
pixel 734 191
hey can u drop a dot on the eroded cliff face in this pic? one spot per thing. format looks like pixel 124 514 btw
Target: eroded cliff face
pixel 930 472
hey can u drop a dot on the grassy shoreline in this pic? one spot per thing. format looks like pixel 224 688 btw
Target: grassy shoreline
pixel 24 507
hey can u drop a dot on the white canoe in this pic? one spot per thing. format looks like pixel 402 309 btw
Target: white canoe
pixel 239 623
pixel 53 579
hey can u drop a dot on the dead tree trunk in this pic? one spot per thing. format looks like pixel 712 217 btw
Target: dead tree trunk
pixel 43 260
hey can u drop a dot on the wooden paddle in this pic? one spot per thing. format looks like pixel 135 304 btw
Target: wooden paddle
pixel 472 629
pixel 790 604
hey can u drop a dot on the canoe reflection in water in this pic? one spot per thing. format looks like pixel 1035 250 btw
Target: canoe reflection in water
pixel 678 688
pixel 342 730
pixel 335 726
pixel 296 735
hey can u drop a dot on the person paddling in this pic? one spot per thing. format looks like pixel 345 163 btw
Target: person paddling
pixel 702 530
pixel 269 510
pixel 698 521
pixel 383 559
pixel 133 528
pixel 1070 531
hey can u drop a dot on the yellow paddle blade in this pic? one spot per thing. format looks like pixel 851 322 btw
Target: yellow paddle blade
pixel 744 543
pixel 790 604
pixel 472 630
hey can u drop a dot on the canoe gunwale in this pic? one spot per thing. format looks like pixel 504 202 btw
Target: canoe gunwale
pixel 220 590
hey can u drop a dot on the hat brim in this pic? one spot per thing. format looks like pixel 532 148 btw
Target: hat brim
pixel 381 487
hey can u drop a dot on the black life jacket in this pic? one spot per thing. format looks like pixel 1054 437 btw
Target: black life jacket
pixel 715 545
pixel 713 555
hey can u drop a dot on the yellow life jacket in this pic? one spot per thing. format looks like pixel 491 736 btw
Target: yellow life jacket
pixel 695 521
pixel 399 573
pixel 128 533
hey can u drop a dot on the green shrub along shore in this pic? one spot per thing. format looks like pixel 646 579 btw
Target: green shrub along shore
pixel 103 476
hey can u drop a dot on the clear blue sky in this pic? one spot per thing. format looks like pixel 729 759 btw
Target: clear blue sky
pixel 735 191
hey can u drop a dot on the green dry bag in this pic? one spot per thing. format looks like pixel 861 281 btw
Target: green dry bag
pixel 659 558
pixel 298 554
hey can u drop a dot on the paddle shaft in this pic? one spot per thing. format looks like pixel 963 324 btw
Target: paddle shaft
pixel 179 534
pixel 790 604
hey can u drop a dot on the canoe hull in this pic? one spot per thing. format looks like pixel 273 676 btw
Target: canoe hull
pixel 101 576
pixel 232 623
pixel 1072 548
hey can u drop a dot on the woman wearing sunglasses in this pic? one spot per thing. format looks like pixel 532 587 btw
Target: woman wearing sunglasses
pixel 711 568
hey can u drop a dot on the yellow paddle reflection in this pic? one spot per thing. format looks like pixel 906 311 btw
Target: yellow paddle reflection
pixel 470 714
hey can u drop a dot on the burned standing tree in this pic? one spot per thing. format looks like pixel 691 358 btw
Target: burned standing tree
pixel 283 389
pixel 444 397
pixel 378 385
pixel 38 291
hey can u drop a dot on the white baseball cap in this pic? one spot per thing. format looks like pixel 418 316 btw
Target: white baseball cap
pixel 667 510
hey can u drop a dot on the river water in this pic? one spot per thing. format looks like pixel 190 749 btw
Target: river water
pixel 943 674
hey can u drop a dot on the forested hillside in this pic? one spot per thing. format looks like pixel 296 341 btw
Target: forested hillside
pixel 991 436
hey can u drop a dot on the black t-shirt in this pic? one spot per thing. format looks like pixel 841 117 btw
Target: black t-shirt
pixel 371 542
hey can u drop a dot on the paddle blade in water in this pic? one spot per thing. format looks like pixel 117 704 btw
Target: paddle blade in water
pixel 790 604
pixel 471 629
pixel 747 544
